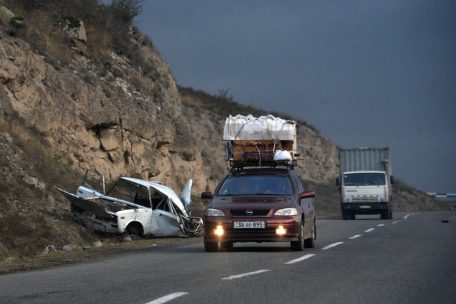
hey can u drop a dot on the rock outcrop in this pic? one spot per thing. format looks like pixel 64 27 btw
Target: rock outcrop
pixel 104 121
pixel 98 120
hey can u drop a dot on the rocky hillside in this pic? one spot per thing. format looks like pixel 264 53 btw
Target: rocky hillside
pixel 68 107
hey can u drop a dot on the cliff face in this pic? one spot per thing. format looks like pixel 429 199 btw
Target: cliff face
pixel 118 121
pixel 111 119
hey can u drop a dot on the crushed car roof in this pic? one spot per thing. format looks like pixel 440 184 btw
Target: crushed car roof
pixel 160 188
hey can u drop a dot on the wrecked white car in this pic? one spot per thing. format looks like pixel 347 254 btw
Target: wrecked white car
pixel 137 207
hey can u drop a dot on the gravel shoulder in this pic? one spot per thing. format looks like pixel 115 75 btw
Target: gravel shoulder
pixel 61 258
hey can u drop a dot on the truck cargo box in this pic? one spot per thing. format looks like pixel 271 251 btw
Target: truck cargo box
pixel 363 159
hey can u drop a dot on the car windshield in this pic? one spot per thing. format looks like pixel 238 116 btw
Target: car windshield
pixel 256 185
pixel 364 179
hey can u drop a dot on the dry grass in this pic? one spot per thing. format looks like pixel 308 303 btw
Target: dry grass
pixel 110 248
pixel 25 234
pixel 52 168
pixel 30 219
pixel 106 29
pixel 224 105
pixel 326 200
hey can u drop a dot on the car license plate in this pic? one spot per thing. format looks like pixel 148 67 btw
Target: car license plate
pixel 364 207
pixel 249 225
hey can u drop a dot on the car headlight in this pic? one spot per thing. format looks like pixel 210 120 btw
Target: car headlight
pixel 213 212
pixel 287 211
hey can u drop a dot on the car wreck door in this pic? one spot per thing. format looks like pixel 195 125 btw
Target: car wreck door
pixel 165 223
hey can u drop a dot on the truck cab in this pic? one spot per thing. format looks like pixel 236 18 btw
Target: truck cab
pixel 365 182
pixel 365 192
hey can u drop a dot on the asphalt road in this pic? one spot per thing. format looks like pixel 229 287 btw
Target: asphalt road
pixel 410 259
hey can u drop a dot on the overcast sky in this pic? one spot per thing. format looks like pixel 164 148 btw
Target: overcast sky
pixel 365 73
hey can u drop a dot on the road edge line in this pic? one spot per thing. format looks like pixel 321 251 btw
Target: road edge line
pixel 305 257
pixel 168 298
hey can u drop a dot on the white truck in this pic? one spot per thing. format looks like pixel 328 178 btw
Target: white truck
pixel 365 182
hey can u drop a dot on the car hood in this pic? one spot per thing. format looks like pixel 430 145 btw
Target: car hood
pixel 264 201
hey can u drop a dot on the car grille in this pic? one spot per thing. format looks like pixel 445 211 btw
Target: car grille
pixel 243 212
pixel 365 199
pixel 249 232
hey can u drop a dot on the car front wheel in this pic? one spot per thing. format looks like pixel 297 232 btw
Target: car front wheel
pixel 210 246
pixel 299 244
pixel 227 246
pixel 310 242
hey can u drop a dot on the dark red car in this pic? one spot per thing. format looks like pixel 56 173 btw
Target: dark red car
pixel 263 204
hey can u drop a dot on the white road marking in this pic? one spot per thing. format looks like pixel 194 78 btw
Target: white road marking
pixel 380 225
pixel 168 298
pixel 355 236
pixel 407 216
pixel 305 257
pixel 369 230
pixel 332 245
pixel 395 222
pixel 237 276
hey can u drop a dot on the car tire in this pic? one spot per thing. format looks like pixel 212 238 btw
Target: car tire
pixel 310 242
pixel 346 215
pixel 135 229
pixel 227 246
pixel 299 244
pixel 210 246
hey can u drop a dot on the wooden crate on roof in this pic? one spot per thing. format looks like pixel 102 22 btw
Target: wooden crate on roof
pixel 259 149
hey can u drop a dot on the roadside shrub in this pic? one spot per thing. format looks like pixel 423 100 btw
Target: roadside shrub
pixel 126 10
pixel 108 27
pixel 70 22
pixel 16 231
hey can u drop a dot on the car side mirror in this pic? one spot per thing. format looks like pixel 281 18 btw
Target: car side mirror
pixel 308 194
pixel 392 180
pixel 337 181
pixel 207 195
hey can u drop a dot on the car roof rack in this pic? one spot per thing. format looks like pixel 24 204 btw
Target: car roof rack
pixel 241 164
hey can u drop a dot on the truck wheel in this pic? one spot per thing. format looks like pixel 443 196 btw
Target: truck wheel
pixel 386 214
pixel 210 246
pixel 299 244
pixel 346 215
pixel 310 242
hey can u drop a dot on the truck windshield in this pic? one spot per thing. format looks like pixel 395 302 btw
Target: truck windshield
pixel 364 179
pixel 256 185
